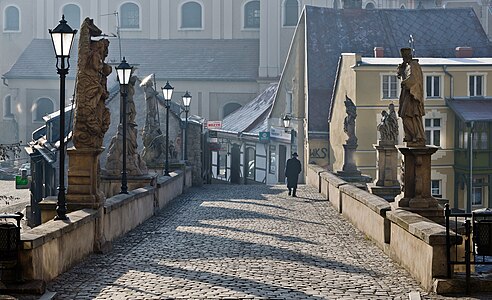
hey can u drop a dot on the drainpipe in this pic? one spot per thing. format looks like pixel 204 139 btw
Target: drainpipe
pixel 5 81
pixel 470 192
pixel 451 81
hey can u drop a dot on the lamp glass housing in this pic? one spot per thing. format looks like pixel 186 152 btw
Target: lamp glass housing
pixel 186 100
pixel 286 121
pixel 167 91
pixel 124 72
pixel 62 37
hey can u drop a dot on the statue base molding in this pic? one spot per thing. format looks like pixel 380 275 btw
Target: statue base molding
pixel 111 185
pixel 388 193
pixel 417 195
pixel 83 179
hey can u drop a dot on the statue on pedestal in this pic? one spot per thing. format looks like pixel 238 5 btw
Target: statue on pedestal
pixel 135 165
pixel 411 102
pixel 92 117
pixel 349 122
pixel 388 127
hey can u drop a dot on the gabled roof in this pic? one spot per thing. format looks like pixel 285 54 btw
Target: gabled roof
pixel 191 59
pixel 472 109
pixel 252 117
pixel 330 32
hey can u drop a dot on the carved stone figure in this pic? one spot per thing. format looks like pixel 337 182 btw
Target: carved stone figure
pixel 349 122
pixel 411 102
pixel 92 117
pixel 135 165
pixel 388 127
pixel 153 140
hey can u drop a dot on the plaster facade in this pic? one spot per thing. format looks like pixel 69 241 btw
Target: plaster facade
pixel 362 79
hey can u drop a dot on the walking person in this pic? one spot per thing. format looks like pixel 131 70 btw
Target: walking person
pixel 292 170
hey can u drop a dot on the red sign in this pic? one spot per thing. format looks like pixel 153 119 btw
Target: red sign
pixel 214 124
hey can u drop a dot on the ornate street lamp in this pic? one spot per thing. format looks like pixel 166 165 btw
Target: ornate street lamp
pixel 62 38
pixel 167 91
pixel 286 121
pixel 124 72
pixel 186 103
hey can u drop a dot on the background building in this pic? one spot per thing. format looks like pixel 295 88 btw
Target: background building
pixel 456 92
pixel 183 30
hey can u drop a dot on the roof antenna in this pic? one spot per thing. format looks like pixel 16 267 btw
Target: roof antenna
pixel 412 45
pixel 115 13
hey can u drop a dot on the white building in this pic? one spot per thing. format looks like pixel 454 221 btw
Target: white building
pixel 192 25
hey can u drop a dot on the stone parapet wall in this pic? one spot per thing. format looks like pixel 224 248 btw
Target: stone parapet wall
pixel 416 243
pixel 55 246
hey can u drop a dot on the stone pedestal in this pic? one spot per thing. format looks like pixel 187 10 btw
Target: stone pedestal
pixel 83 179
pixel 386 185
pixel 417 195
pixel 111 185
pixel 349 171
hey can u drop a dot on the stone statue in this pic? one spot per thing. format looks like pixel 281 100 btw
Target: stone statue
pixel 388 127
pixel 92 117
pixel 135 165
pixel 153 140
pixel 349 122
pixel 411 103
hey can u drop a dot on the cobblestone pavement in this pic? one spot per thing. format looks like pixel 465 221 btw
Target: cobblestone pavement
pixel 241 242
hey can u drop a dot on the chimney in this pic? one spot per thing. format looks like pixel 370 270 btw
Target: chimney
pixel 378 52
pixel 462 52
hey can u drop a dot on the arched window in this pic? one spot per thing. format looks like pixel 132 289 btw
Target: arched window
pixel 12 19
pixel 252 14
pixel 229 108
pixel 7 107
pixel 370 5
pixel 191 15
pixel 41 108
pixel 291 12
pixel 72 15
pixel 130 16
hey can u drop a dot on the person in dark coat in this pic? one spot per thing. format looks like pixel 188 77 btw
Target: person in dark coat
pixel 292 170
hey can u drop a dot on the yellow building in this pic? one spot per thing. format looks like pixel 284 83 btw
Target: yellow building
pixel 456 92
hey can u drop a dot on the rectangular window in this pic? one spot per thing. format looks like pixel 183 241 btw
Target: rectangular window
pixel 477 192
pixel 433 86
pixel 273 166
pixel 390 87
pixel 288 101
pixel 436 189
pixel 433 131
pixel 475 85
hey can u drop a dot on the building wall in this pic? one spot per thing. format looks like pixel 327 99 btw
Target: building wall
pixel 363 85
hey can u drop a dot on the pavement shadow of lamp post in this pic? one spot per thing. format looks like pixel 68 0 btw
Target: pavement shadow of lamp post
pixel 62 38
pixel 167 91
pixel 186 103
pixel 124 72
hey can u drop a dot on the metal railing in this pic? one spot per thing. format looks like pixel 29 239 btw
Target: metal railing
pixel 476 229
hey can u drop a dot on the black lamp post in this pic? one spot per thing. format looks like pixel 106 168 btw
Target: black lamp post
pixel 186 103
pixel 124 72
pixel 62 38
pixel 167 91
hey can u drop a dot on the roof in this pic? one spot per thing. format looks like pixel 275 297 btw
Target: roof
pixel 190 59
pixel 330 32
pixel 468 110
pixel 428 61
pixel 252 117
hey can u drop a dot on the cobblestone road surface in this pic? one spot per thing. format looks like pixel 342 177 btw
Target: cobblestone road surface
pixel 241 242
